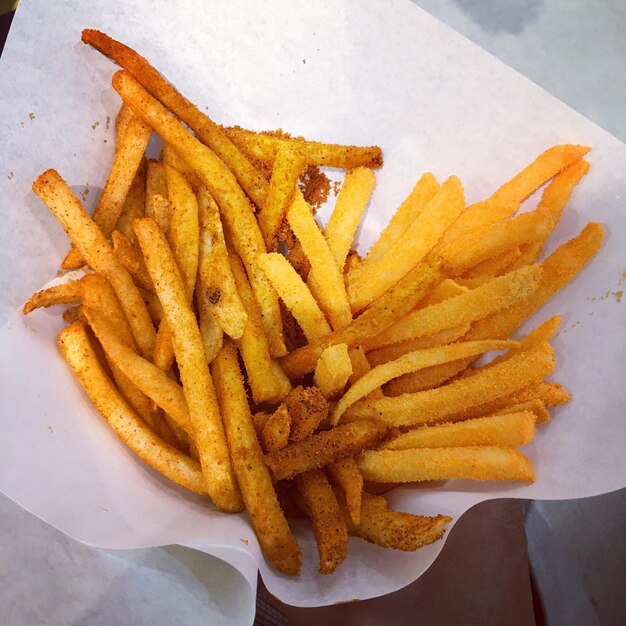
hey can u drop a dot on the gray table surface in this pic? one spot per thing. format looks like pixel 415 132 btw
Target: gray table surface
pixel 576 50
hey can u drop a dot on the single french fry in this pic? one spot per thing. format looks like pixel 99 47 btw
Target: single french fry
pixel 360 367
pixel 333 370
pixel 444 290
pixel 485 385
pixel 235 208
pixel 259 496
pixel 204 128
pixel 551 394
pixel 156 187
pixel 513 429
pixel 508 198
pixel 346 474
pixel 194 372
pixel 325 279
pixel 408 363
pixel 212 334
pixel 135 203
pixel 307 408
pixel 267 382
pixel 422 193
pixel 390 307
pixel 295 294
pixel 128 426
pixel 353 197
pixel 275 435
pixel 490 268
pixel 98 254
pixel 64 293
pixel 265 146
pixel 331 532
pixel 370 280
pixel 324 447
pixel 123 117
pixel 74 314
pixel 170 157
pixel 469 463
pixel 536 407
pixel 285 173
pixel 130 257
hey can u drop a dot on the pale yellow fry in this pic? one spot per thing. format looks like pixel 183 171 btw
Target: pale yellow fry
pixel 212 334
pixel 345 472
pixel 170 157
pixel 491 267
pixel 325 279
pixel 485 385
pixel 469 463
pixel 259 496
pixel 422 193
pixel 360 367
pixel 285 173
pixel 510 429
pixel 369 281
pixel 536 407
pixel 295 294
pixel 216 283
pixel 235 207
pixel 128 426
pixel 194 372
pixel 407 363
pixel 353 197
pixel 333 370
pixel 98 254
pixel 470 306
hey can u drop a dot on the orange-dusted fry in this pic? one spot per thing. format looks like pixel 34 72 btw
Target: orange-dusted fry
pixel 447 288
pixel 551 394
pixel 128 426
pixel 212 334
pixel 507 199
pixel 489 268
pixel 370 280
pixel 127 158
pixel 97 252
pixel 324 447
pixel 123 117
pixel 331 532
pixel 135 203
pixel 64 293
pixel 428 378
pixel 353 197
pixel 325 279
pixel 535 406
pixel 469 463
pixel 204 128
pixel 485 385
pixel 259 419
pixel 194 372
pixel 360 367
pixel 170 157
pixel 422 193
pixel 307 408
pixel 153 305
pixel 346 474
pixel 265 146
pixel 285 173
pixel 410 362
pixel 267 381
pixel 275 435
pixel 469 306
pixel 74 314
pixel 387 528
pixel 130 257
pixel 235 208
pixel 333 370
pixel 156 187
pixel 385 311
pixel 511 429
pixel 295 294
pixel 267 518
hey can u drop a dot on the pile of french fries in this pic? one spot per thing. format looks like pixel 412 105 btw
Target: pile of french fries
pixel 250 355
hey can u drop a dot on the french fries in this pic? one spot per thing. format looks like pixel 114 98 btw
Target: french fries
pixel 333 370
pixel 345 472
pixel 308 408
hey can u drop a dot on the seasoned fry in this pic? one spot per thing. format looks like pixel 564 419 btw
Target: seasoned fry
pixel 333 370
pixel 536 407
pixel 490 268
pixel 130 257
pixel 156 187
pixel 275 435
pixel 512 429
pixel 124 115
pixel 212 334
pixel 307 408
pixel 360 367
pixel 64 293
pixel 74 314
pixel 266 516
pixel 349 208
pixel 135 203
pixel 170 157
pixel 444 290
pixel 98 254
pixel 197 384
pixel 128 426
pixel 370 280
pixel 346 474
pixel 324 447
pixel 470 462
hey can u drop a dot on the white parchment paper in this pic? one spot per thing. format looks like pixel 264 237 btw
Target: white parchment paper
pixel 363 72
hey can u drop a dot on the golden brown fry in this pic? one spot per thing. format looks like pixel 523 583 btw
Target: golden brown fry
pixel 266 516
pixel 324 447
pixel 212 334
pixel 345 472
pixel 170 157
pixel 156 187
pixel 535 406
pixel 275 435
pixel 259 419
pixel 331 532
pixel 333 370
pixel 308 408
pixel 64 293
pixel 470 463
pixel 360 367
pixel 74 314
pixel 97 252
pixel 194 372
pixel 444 290
pixel 176 466
pixel 130 257
pixel 490 268
pixel 135 203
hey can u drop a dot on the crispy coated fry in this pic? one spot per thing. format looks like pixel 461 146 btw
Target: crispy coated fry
pixel 536 407
pixel 156 187
pixel 331 532
pixel 444 290
pixel 64 293
pixel 170 157
pixel 349 208
pixel 135 203
pixel 360 367
pixel 130 257
pixel 74 314
pixel 258 493
pixel 346 474
pixel 324 447
pixel 178 467
pixel 97 252
pixel 470 462
pixel 490 268
pixel 333 370
pixel 212 334
pixel 307 408
pixel 194 372
pixel 275 435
